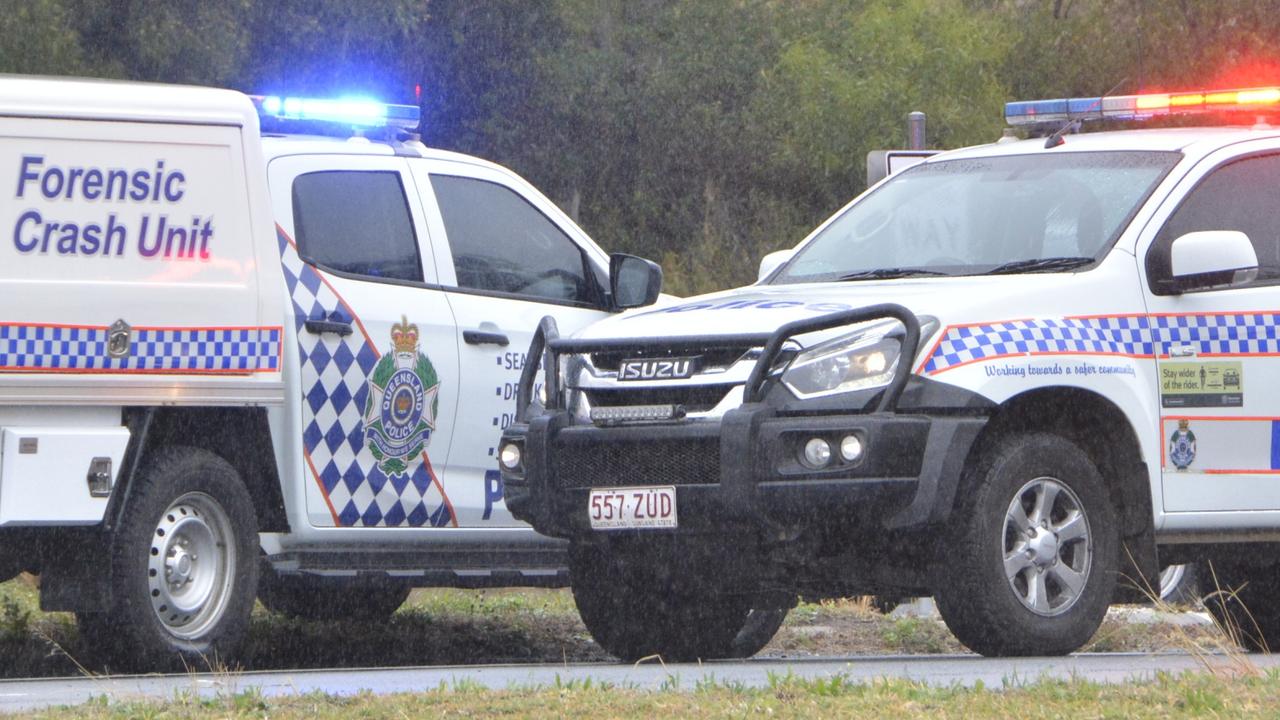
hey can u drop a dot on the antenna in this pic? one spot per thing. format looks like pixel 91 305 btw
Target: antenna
pixel 1073 124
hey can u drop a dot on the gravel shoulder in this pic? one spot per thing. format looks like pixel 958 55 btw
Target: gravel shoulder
pixel 457 627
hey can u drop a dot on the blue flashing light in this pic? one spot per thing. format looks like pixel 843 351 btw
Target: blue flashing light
pixel 352 111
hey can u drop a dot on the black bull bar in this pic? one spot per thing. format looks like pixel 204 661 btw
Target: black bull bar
pixel 547 346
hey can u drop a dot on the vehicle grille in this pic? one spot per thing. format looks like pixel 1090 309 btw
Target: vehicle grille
pixel 694 398
pixel 649 462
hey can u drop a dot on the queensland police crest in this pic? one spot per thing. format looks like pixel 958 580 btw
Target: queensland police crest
pixel 1182 445
pixel 400 411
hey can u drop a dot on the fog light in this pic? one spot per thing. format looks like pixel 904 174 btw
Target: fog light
pixel 817 453
pixel 850 448
pixel 510 456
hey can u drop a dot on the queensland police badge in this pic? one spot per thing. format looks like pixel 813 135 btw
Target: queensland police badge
pixel 1182 445
pixel 400 411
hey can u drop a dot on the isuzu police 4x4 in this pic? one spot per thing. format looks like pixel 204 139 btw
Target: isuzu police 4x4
pixel 1018 377
pixel 217 346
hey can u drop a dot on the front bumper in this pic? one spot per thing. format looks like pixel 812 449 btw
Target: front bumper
pixel 741 473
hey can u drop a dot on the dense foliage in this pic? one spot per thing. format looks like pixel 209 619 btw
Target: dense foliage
pixel 702 133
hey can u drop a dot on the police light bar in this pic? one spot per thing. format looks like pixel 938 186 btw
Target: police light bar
pixel 1140 107
pixel 356 112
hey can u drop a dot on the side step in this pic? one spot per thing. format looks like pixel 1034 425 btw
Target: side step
pixel 460 566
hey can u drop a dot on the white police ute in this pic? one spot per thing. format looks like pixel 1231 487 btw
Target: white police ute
pixel 1018 377
pixel 240 356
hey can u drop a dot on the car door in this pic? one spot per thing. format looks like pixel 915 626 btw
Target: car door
pixel 506 257
pixel 1218 349
pixel 378 382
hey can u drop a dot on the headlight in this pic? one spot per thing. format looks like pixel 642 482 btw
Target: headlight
pixel 852 362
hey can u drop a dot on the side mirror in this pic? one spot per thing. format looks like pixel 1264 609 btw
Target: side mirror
pixel 633 281
pixel 772 262
pixel 1211 258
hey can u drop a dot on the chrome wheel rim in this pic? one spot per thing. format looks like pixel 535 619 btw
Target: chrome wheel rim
pixel 1047 546
pixel 1169 579
pixel 189 568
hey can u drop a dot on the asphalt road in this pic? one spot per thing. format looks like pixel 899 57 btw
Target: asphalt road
pixel 944 670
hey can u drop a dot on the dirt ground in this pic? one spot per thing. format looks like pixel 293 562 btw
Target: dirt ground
pixel 446 627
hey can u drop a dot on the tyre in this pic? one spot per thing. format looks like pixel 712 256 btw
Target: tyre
pixel 1241 599
pixel 1180 584
pixel 184 568
pixel 311 597
pixel 638 603
pixel 760 627
pixel 10 567
pixel 1032 550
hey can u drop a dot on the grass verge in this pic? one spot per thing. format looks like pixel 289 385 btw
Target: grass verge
pixel 1190 695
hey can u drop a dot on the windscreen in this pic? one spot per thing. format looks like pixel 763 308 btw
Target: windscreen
pixel 978 215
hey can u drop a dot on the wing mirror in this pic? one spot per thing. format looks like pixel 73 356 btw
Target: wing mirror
pixel 773 261
pixel 1211 258
pixel 633 281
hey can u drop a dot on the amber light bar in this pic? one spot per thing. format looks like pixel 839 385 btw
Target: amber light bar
pixel 1140 107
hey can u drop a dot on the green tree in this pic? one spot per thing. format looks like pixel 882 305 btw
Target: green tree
pixel 300 47
pixel 181 41
pixel 36 37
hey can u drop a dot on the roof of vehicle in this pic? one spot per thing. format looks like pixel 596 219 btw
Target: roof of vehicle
pixel 75 98
pixel 280 144
pixel 1189 140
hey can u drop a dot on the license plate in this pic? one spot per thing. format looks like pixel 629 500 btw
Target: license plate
pixel 621 508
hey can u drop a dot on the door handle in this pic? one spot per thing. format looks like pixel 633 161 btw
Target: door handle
pixel 320 327
pixel 1181 351
pixel 481 337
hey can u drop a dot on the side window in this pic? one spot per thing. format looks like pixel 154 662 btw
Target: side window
pixel 356 222
pixel 1240 195
pixel 501 243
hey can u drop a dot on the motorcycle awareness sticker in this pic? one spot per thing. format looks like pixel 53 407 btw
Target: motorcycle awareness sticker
pixel 1201 384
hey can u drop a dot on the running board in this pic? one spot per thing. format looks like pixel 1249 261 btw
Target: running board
pixel 455 566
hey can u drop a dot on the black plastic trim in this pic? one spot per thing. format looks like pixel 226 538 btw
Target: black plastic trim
pixel 480 337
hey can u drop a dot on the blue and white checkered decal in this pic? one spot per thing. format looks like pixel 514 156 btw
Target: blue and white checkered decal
pixel 334 374
pixel 1129 335
pixel 1222 333
pixel 61 348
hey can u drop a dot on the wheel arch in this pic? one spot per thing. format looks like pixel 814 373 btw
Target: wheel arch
pixel 240 436
pixel 1103 431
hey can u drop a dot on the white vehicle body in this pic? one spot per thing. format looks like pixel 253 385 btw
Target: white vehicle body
pixel 173 278
pixel 1153 353
pixel 1106 333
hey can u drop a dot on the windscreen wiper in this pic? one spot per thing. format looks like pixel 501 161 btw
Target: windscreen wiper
pixel 1049 264
pixel 889 273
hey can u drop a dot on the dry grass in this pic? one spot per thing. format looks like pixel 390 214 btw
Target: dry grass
pixel 1219 649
